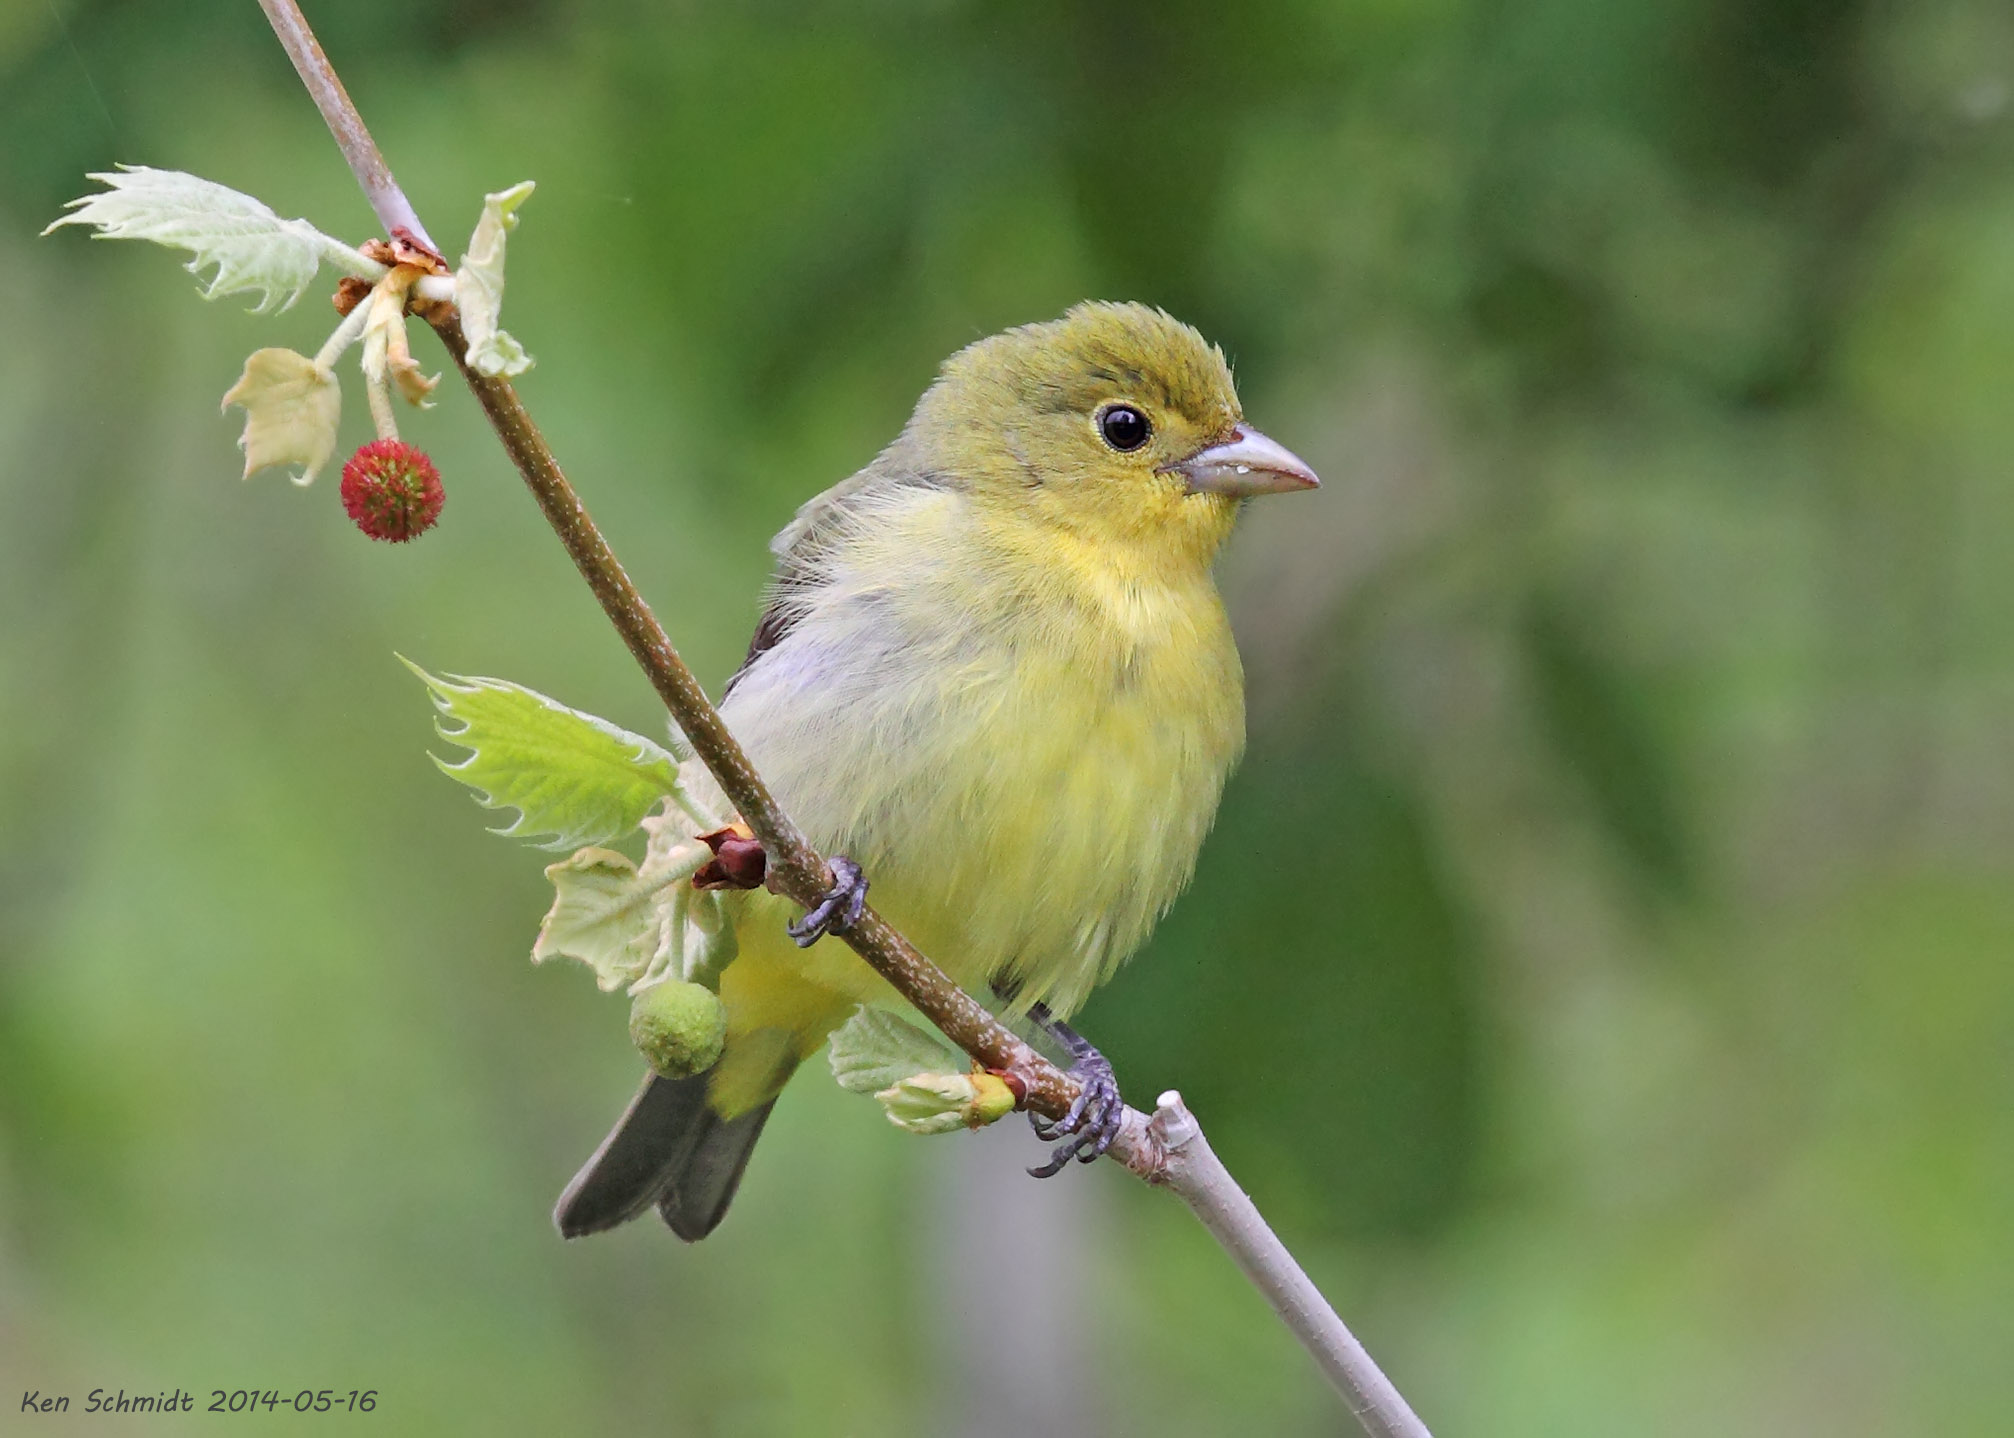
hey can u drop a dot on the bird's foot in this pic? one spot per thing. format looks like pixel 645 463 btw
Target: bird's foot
pixel 1093 1121
pixel 841 907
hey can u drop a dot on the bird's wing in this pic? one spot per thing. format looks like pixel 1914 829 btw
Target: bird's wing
pixel 806 548
pixel 777 619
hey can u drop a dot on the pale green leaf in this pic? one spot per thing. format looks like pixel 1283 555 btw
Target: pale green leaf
pixel 570 775
pixel 292 405
pixel 499 353
pixel 671 835
pixel 479 286
pixel 605 914
pixel 874 1050
pixel 251 249
pixel 946 1102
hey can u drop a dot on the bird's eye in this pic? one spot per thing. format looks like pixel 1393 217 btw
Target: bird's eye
pixel 1124 427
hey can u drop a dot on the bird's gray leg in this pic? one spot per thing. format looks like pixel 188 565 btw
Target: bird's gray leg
pixel 1093 1121
pixel 841 907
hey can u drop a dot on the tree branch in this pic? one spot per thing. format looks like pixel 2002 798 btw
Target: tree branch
pixel 1168 1150
pixel 1193 1171
pixel 394 210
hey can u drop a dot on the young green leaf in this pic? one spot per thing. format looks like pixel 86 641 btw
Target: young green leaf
pixel 603 913
pixel 874 1050
pixel 479 285
pixel 292 405
pixel 570 775
pixel 946 1102
pixel 252 249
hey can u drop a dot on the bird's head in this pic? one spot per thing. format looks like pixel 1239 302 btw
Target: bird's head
pixel 1116 422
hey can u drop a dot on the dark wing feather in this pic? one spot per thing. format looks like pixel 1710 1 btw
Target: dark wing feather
pixel 710 1172
pixel 777 620
pixel 639 1160
pixel 669 1149
pixel 805 547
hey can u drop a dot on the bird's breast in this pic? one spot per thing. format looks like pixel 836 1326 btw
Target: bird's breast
pixel 1026 768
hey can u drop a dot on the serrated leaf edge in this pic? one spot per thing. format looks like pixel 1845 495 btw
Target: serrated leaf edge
pixel 134 181
pixel 646 751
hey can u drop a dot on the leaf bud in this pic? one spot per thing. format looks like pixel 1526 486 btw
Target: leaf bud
pixel 738 861
pixel 941 1103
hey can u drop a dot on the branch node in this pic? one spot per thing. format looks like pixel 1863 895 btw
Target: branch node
pixel 1174 1126
pixel 1017 1084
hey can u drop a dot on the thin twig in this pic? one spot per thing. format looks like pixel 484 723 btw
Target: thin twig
pixel 1195 1173
pixel 367 162
pixel 1169 1150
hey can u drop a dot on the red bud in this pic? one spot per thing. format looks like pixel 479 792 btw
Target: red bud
pixel 737 863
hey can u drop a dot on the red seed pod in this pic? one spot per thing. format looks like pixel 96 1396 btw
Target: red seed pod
pixel 391 490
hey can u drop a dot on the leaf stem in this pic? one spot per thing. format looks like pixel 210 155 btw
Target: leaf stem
pixel 344 335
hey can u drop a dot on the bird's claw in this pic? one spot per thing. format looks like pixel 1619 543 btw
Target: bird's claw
pixel 841 907
pixel 1095 1117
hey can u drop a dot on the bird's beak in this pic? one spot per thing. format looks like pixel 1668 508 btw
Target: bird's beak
pixel 1245 464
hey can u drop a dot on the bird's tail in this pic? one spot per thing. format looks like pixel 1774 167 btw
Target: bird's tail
pixel 671 1149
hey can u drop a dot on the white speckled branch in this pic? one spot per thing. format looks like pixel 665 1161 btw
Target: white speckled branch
pixel 1169 1149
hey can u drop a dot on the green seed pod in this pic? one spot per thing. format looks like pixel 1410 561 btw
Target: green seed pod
pixel 679 1027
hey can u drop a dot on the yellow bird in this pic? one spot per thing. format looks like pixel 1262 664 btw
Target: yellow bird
pixel 995 674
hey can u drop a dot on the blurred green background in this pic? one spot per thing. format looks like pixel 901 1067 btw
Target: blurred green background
pixel 1600 971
